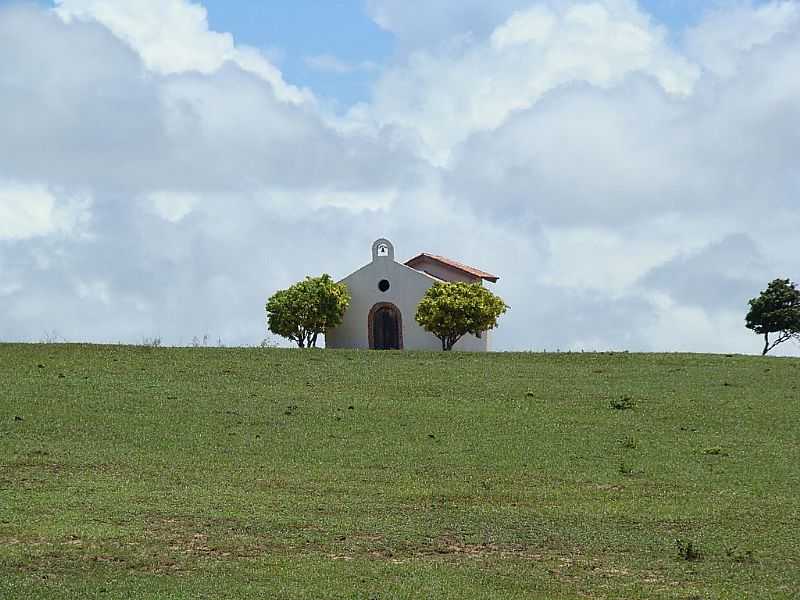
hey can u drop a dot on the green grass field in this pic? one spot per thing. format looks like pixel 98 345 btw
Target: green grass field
pixel 129 472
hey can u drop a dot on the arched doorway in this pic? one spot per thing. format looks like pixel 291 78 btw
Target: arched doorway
pixel 385 327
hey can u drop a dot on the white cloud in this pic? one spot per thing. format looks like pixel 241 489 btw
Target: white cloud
pixel 7 289
pixel 687 328
pixel 603 258
pixel 32 210
pixel 354 201
pixel 721 39
pixel 173 36
pixel 722 274
pixel 534 25
pixel 172 206
pixel 327 63
pixel 447 94
pixel 428 24
pixel 94 291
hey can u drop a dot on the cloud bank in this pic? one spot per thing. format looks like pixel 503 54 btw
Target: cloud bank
pixel 633 191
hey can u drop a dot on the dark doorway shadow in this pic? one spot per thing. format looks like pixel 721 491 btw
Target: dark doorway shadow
pixel 385 327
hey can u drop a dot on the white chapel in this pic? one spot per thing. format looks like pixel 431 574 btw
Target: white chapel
pixel 385 295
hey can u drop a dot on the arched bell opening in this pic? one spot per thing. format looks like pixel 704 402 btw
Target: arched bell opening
pixel 382 249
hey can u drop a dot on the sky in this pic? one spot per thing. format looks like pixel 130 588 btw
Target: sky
pixel 627 168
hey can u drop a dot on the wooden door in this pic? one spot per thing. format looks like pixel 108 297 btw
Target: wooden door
pixel 386 328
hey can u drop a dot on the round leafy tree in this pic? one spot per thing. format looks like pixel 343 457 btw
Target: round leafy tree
pixel 452 310
pixel 307 309
pixel 776 311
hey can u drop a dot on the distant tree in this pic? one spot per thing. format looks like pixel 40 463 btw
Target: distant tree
pixel 452 310
pixel 307 309
pixel 776 311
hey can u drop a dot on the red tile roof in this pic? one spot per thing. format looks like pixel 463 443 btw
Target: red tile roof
pixel 477 273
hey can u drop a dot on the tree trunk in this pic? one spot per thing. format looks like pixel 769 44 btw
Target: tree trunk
pixel 766 344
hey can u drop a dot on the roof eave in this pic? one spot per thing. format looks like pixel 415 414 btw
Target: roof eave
pixel 476 273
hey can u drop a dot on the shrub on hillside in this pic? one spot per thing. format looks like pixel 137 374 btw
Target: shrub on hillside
pixel 307 309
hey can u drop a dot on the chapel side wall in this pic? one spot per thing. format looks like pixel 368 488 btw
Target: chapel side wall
pixel 469 343
pixel 444 272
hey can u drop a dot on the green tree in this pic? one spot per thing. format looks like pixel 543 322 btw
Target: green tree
pixel 307 309
pixel 776 311
pixel 452 310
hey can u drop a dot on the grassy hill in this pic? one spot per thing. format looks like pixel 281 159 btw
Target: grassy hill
pixel 132 472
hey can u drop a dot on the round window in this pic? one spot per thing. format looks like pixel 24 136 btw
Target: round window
pixel 384 285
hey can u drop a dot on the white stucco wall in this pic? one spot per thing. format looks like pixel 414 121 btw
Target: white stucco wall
pixel 407 287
